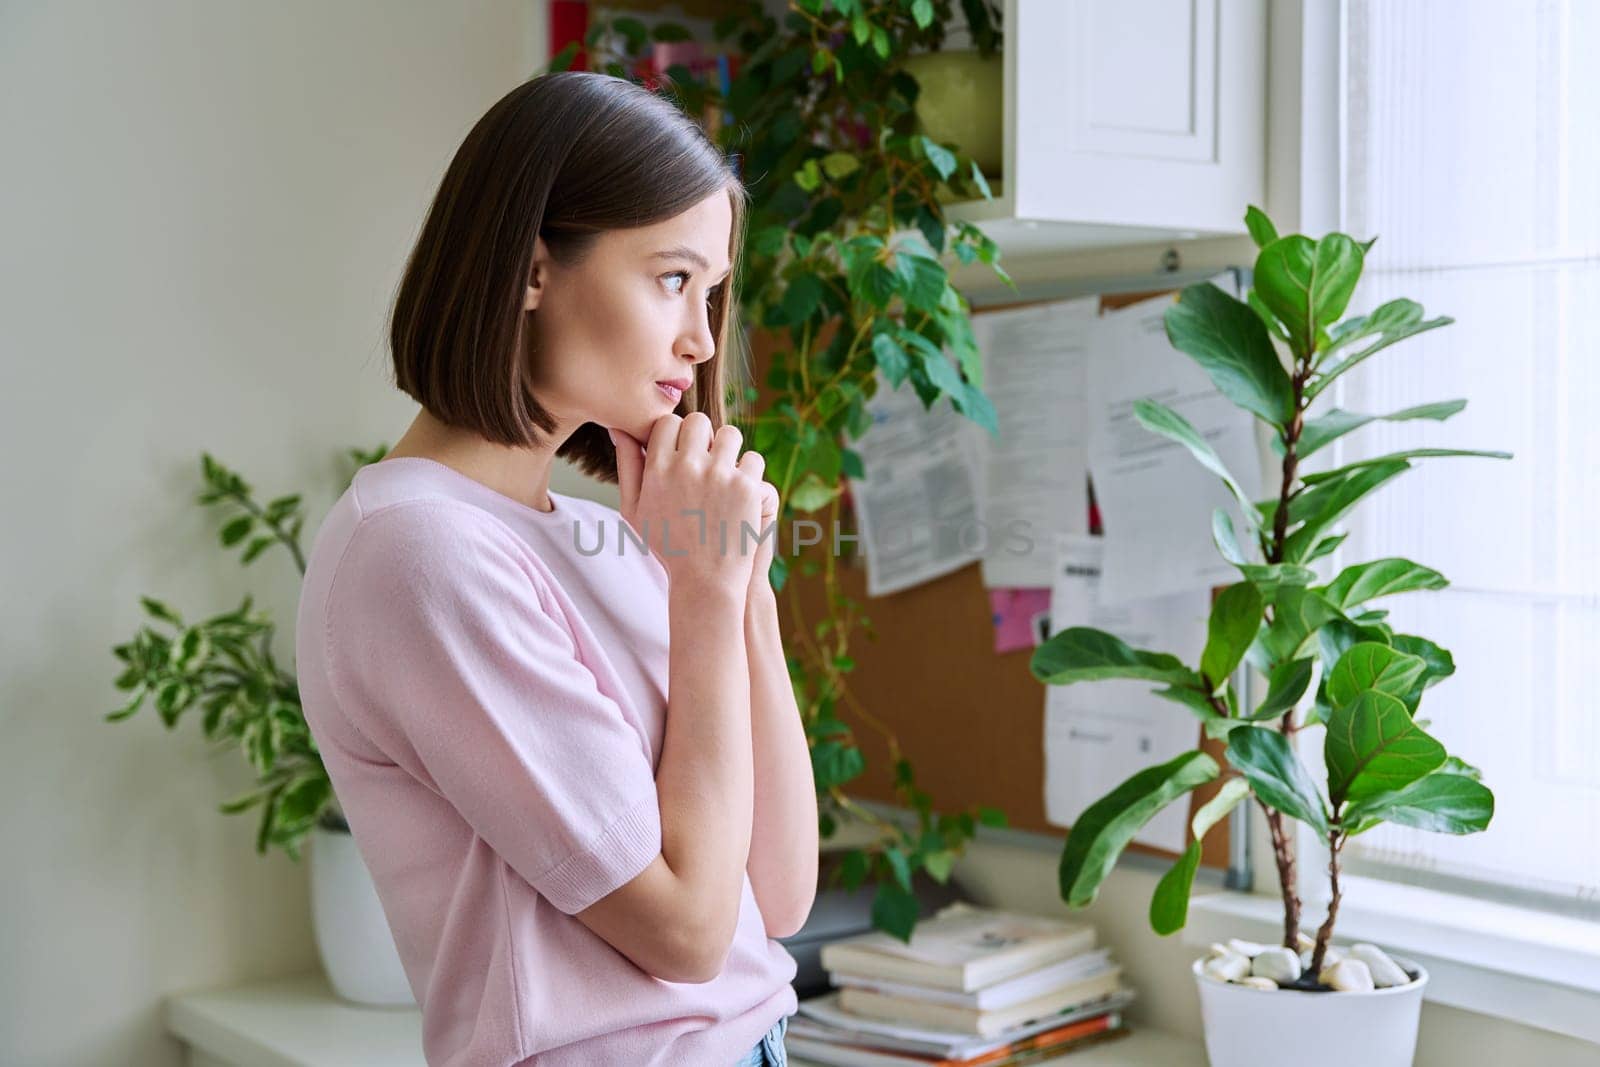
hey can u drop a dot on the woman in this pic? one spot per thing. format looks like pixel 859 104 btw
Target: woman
pixel 584 836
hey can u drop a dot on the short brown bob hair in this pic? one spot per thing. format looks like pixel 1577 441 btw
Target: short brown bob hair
pixel 564 156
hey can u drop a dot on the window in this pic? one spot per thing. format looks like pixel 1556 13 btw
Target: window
pixel 1472 152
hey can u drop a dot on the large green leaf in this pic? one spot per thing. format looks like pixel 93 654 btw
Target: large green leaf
pixel 1325 429
pixel 1104 829
pixel 1286 684
pixel 1322 505
pixel 1319 477
pixel 1370 665
pixel 1262 231
pixel 1235 618
pixel 1373 747
pixel 1307 284
pixel 1217 808
pixel 1231 345
pixel 1082 654
pixel 1169 905
pixel 1362 582
pixel 1380 578
pixel 1276 774
pixel 1298 613
pixel 1266 577
pixel 1439 664
pixel 1270 577
pixel 1160 419
pixel 1224 537
pixel 1443 802
pixel 1268 319
pixel 1394 321
pixel 1196 700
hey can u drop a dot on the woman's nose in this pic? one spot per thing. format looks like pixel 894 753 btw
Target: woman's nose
pixel 698 344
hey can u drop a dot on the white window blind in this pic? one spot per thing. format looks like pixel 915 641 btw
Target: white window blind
pixel 1472 152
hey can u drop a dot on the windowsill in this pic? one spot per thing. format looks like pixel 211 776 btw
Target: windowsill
pixel 1513 963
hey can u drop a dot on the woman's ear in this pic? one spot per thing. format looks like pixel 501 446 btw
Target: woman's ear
pixel 537 275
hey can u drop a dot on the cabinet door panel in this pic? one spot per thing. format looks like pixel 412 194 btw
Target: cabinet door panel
pixel 1138 112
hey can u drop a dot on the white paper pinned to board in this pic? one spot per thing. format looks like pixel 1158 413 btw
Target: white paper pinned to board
pixel 1098 734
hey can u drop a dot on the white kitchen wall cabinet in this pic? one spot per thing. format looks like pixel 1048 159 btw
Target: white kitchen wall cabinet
pixel 1128 122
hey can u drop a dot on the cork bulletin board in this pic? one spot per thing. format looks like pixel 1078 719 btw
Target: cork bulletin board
pixel 971 721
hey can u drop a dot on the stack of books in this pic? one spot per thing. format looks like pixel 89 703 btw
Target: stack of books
pixel 975 987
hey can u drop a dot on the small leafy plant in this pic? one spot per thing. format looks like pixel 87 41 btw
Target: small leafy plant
pixel 1274 354
pixel 224 666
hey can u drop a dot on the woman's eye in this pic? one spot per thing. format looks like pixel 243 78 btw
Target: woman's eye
pixel 684 276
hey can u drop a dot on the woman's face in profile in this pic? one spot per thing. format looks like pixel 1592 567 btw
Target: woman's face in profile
pixel 635 313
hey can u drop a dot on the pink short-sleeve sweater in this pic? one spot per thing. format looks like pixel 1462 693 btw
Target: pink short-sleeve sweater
pixel 488 693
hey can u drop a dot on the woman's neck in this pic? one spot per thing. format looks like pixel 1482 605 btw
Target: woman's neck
pixel 523 474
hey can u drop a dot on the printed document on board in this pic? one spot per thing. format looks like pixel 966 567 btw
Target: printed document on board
pixel 917 507
pixel 1155 499
pixel 1098 734
pixel 1032 476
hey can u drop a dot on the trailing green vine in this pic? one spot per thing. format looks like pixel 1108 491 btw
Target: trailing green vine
pixel 845 267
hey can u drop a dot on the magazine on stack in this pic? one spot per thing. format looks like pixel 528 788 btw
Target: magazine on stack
pixel 822 1019
pixel 962 948
pixel 974 1020
pixel 1000 995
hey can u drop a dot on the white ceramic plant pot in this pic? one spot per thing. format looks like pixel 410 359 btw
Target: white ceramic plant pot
pixel 352 934
pixel 1271 1027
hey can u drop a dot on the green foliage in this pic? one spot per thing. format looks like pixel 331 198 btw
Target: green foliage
pixel 1272 354
pixel 846 265
pixel 223 666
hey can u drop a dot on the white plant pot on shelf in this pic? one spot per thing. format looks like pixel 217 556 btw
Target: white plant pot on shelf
pixel 1248 1027
pixel 352 934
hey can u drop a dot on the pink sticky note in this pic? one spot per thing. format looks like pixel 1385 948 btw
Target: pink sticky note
pixel 1018 617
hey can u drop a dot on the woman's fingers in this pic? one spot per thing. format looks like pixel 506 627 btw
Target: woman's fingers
pixel 663 439
pixel 630 470
pixel 754 465
pixel 725 445
pixel 694 434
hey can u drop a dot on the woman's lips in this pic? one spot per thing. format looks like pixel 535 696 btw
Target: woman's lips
pixel 672 392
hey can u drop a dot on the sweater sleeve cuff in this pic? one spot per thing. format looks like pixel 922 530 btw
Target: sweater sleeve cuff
pixel 610 861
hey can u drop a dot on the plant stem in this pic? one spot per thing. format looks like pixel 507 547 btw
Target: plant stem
pixel 1282 846
pixel 244 501
pixel 1291 465
pixel 1283 852
pixel 1325 932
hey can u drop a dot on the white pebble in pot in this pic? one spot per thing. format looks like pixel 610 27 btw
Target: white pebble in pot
pixel 1227 968
pixel 1277 963
pixel 1257 982
pixel 1329 958
pixel 1348 976
pixel 1385 971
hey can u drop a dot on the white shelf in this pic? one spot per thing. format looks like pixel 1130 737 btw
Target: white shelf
pixel 299 1022
pixel 1024 238
pixel 293 1022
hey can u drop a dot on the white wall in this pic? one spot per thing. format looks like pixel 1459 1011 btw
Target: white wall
pixel 204 210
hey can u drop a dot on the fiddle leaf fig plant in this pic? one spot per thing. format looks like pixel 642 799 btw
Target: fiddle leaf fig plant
pixel 846 266
pixel 223 666
pixel 1329 657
